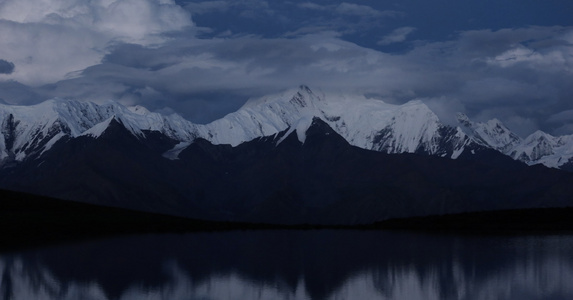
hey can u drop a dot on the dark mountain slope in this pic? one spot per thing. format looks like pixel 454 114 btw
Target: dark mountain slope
pixel 325 180
pixel 321 181
pixel 116 169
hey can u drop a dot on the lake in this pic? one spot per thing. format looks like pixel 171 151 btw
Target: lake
pixel 291 264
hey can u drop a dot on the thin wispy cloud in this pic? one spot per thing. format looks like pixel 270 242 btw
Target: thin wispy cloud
pixel 363 11
pixel 398 35
pixel 352 9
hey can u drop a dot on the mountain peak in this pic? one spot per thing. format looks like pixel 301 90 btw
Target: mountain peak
pixel 463 119
pixel 138 109
pixel 538 135
pixel 491 133
pixel 367 123
pixel 97 130
pixel 112 122
pixel 301 96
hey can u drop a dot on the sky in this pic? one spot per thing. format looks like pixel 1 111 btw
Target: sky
pixel 505 59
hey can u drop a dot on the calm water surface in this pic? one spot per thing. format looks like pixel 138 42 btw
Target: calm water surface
pixel 321 264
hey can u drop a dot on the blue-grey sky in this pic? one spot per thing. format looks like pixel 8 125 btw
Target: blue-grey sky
pixel 509 59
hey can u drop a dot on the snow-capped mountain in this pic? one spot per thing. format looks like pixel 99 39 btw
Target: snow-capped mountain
pixel 29 131
pixel 305 174
pixel 543 148
pixel 32 130
pixel 298 157
pixel 492 133
pixel 366 123
pixel 537 148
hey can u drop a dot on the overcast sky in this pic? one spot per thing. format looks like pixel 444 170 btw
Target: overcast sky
pixel 510 59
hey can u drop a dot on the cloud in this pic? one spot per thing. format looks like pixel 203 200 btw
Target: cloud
pixel 499 89
pixel 206 78
pixel 144 52
pixel 361 10
pixel 126 20
pixel 351 9
pixel 49 40
pixel 562 117
pixel 198 8
pixel 353 21
pixel 564 122
pixel 314 6
pixel 517 75
pixel 493 43
pixel 244 8
pixel 397 35
pixel 13 92
pixel 6 67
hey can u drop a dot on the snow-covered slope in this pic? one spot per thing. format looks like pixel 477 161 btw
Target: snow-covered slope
pixel 492 133
pixel 26 130
pixel 543 148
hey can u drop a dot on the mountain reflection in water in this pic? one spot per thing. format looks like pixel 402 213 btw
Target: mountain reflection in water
pixel 320 264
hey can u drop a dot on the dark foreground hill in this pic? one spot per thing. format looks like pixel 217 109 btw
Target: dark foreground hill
pixel 29 220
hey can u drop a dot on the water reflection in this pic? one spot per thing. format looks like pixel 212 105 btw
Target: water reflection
pixel 295 265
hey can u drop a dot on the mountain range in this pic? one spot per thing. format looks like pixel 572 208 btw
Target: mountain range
pixel 29 131
pixel 296 157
